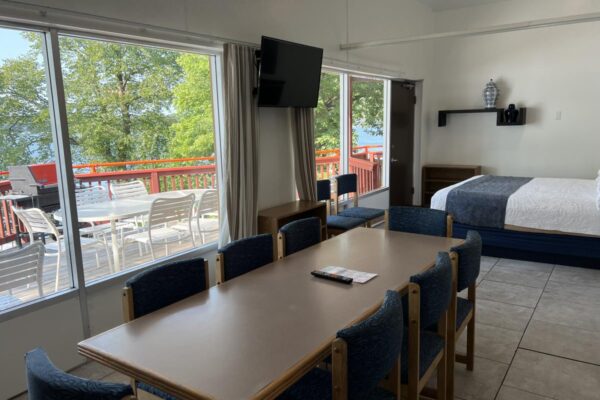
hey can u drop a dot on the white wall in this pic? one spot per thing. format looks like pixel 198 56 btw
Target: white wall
pixel 315 22
pixel 549 71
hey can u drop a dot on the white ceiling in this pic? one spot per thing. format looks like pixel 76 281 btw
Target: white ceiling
pixel 438 5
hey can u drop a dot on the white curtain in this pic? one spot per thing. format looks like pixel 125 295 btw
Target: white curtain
pixel 303 141
pixel 241 140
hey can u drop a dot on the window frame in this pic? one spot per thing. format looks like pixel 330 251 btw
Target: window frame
pixel 346 123
pixel 58 120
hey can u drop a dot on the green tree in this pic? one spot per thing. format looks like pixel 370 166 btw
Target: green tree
pixel 194 129
pixel 119 98
pixel 25 133
pixel 367 110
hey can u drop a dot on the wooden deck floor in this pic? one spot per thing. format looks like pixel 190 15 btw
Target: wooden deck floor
pixel 93 270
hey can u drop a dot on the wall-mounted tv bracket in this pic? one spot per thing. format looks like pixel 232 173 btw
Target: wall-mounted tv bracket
pixel 257 65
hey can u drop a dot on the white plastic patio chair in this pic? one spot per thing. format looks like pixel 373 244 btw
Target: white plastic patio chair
pixel 127 190
pixel 164 213
pixel 36 221
pixel 205 214
pixel 20 267
pixel 94 195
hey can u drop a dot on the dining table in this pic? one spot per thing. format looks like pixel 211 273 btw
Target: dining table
pixel 113 211
pixel 255 335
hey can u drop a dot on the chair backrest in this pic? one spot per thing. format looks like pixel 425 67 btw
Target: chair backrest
pixel 36 221
pixel 46 382
pixel 128 189
pixel 346 183
pixel 323 190
pixel 469 260
pixel 373 347
pixel 163 285
pixel 300 234
pixel 425 221
pixel 167 210
pixel 209 203
pixel 20 267
pixel 91 195
pixel 244 255
pixel 435 291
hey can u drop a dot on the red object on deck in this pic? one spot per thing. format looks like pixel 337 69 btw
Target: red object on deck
pixel 44 174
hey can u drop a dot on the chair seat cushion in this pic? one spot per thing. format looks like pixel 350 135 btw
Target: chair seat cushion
pixel 362 212
pixel 344 223
pixel 156 392
pixel 316 385
pixel 430 346
pixel 463 307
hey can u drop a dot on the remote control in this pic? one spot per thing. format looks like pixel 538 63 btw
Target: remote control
pixel 331 277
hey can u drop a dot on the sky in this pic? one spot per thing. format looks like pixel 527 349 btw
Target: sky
pixel 12 44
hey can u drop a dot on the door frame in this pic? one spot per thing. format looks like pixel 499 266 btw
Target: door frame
pixel 417 136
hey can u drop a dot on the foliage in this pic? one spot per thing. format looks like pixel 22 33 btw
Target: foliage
pixel 24 120
pixel 367 110
pixel 129 102
pixel 193 132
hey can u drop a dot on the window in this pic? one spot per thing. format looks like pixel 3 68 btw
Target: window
pixel 327 126
pixel 366 146
pixel 27 150
pixel 141 128
pixel 142 137
pixel 351 107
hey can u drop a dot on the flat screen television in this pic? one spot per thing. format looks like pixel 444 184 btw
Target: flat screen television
pixel 289 74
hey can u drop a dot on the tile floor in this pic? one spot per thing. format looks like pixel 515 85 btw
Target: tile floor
pixel 538 335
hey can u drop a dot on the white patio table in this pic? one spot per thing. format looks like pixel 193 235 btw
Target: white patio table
pixel 120 209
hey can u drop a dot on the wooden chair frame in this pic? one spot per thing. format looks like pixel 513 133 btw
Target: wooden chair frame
pixel 281 243
pixel 468 324
pixel 445 372
pixel 221 267
pixel 449 223
pixel 128 315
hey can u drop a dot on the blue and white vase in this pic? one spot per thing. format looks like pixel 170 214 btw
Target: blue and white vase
pixel 490 94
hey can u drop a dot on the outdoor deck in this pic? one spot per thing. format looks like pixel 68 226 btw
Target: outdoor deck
pixel 91 270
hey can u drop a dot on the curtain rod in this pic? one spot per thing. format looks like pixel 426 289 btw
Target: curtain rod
pixel 517 26
pixel 20 12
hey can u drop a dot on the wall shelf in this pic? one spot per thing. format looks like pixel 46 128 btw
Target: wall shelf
pixel 500 121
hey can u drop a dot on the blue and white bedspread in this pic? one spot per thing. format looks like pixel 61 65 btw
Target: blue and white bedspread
pixel 540 204
pixel 482 201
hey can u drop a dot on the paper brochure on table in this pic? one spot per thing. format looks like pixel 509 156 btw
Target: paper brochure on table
pixel 357 276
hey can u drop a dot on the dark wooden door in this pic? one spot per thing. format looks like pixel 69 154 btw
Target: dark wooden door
pixel 402 127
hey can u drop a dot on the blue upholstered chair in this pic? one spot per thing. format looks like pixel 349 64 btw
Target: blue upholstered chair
pixel 336 224
pixel 46 382
pixel 424 221
pixel 164 285
pixel 362 356
pixel 347 184
pixel 298 235
pixel 469 263
pixel 426 307
pixel 159 287
pixel 244 255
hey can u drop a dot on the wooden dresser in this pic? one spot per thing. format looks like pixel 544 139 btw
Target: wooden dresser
pixel 439 176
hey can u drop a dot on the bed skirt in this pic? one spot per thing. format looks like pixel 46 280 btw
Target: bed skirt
pixel 578 251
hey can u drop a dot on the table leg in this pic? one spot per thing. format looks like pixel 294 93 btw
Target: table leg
pixel 115 245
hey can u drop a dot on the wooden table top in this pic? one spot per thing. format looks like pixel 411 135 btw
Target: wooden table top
pixel 253 336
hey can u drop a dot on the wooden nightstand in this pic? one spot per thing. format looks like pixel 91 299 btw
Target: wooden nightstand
pixel 439 176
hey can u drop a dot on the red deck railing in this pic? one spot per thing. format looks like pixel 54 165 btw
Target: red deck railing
pixel 166 175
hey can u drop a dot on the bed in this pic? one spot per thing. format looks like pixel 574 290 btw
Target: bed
pixel 551 220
